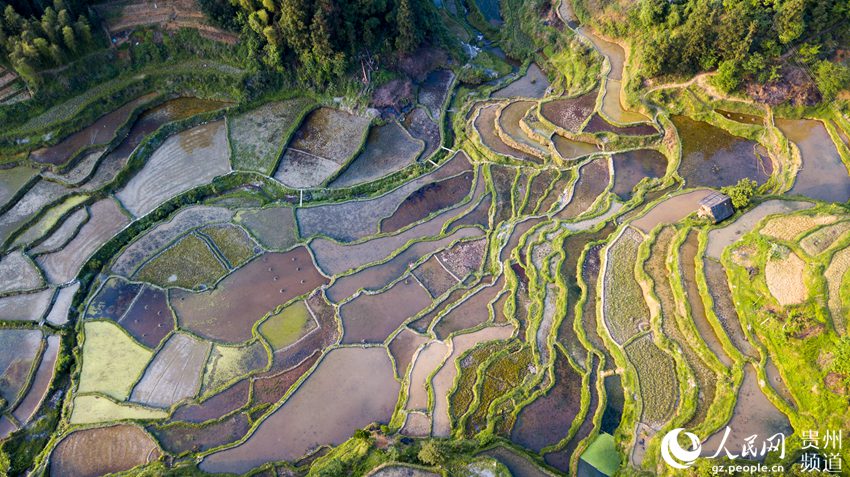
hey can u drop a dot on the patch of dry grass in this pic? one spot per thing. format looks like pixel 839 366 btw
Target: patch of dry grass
pixel 785 278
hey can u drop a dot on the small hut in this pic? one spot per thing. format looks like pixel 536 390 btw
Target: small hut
pixel 716 206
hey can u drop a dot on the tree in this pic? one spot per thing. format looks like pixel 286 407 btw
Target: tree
pixel 408 33
pixel 431 453
pixel 741 193
pixel 69 38
pixel 728 77
pixel 831 78
pixel 789 20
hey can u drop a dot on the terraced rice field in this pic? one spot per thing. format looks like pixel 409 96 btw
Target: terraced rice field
pixel 540 286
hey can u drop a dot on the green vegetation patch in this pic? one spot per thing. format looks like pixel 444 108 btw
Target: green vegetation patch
pixel 502 376
pixel 228 363
pixel 190 263
pixel 284 328
pixel 462 397
pixel 112 361
pixel 657 378
pixel 90 409
pixel 233 242
pixel 602 454
pixel 624 307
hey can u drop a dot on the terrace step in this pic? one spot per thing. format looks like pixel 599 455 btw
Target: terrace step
pixel 509 129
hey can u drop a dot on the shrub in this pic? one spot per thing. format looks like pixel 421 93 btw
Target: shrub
pixel 741 193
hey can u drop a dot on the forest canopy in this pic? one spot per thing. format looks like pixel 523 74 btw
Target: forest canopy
pixel 322 38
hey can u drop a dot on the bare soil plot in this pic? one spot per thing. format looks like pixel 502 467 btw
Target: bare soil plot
pixel 166 232
pixel 388 149
pixel 822 239
pixel 469 313
pixel 273 227
pixel 531 85
pixel 434 90
pixel 221 404
pixel 379 276
pixel 598 124
pixel 403 346
pixel 592 181
pixel 62 304
pixel 92 409
pixel 112 361
pixel 189 264
pixel 623 306
pixel 352 220
pixel 18 273
pixel 671 210
pixel 570 113
pixel 228 312
pixel 104 450
pixel 270 389
pixel 227 364
pixel 183 162
pixel 232 242
pixel 719 239
pixel 426 361
pixel 464 258
pixel 21 348
pixel 509 120
pixel 258 136
pixel 822 174
pixel 149 320
pixel 291 324
pixel 434 277
pixel 548 418
pixel 106 220
pixel 428 200
pixel 351 388
pixel 112 300
pixel 29 306
pixel 372 318
pixel 714 158
pixel 179 437
pixel 420 126
pixel 36 198
pixel 174 373
pixel 485 124
pixel 631 167
pixel 335 258
pixel 100 132
pixel 13 180
pixel 569 149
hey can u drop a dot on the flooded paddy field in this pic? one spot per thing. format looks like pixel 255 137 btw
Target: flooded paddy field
pixel 388 149
pixel 822 174
pixel 714 158
pixel 245 323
